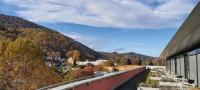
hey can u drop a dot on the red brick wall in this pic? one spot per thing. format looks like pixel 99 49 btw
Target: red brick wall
pixel 109 83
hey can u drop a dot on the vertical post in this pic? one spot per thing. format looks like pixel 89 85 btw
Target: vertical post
pixel 73 85
pixel 180 66
pixel 197 70
pixel 166 63
pixel 175 64
pixel 170 66
pixel 186 66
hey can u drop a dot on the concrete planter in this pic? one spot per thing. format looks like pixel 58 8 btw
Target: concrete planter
pixel 147 88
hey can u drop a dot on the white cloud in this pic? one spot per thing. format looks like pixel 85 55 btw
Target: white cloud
pixel 91 41
pixel 135 14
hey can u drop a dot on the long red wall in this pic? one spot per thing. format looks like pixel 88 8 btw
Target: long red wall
pixel 109 83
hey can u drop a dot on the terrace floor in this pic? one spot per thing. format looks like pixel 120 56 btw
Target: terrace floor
pixel 133 82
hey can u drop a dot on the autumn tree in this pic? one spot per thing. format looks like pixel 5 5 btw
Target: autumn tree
pixel 69 54
pixel 3 46
pixel 73 74
pixel 145 62
pixel 88 70
pixel 107 64
pixel 79 73
pixel 134 61
pixel 100 67
pixel 75 54
pixel 128 62
pixel 22 66
pixel 158 62
pixel 151 62
pixel 119 59
pixel 139 62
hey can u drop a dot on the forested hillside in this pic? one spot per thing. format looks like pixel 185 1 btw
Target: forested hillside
pixel 49 40
pixel 24 48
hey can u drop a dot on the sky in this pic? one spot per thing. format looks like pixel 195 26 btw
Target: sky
pixel 141 26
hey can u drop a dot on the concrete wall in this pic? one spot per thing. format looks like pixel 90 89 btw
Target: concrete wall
pixel 182 67
pixel 193 69
pixel 109 83
pixel 154 67
pixel 198 61
pixel 173 66
pixel 178 67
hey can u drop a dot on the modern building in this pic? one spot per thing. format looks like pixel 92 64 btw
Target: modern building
pixel 97 62
pixel 182 54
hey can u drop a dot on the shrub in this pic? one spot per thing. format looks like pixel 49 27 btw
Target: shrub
pixel 99 68
pixel 88 70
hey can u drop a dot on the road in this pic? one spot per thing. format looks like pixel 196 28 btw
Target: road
pixel 133 82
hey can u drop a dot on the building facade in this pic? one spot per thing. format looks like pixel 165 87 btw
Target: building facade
pixel 182 54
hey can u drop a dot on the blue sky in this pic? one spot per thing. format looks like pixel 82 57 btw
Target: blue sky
pixel 141 26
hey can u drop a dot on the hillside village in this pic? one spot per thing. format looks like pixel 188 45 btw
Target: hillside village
pixel 72 61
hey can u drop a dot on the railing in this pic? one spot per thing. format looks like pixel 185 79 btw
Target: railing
pixel 63 83
pixel 73 83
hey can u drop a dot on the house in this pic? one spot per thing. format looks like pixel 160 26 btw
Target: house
pixel 54 58
pixel 70 60
pixel 53 55
pixel 48 63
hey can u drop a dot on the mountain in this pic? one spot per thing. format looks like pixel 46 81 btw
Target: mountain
pixel 139 56
pixel 12 27
pixel 130 57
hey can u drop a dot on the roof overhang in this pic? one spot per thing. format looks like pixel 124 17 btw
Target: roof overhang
pixel 187 38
